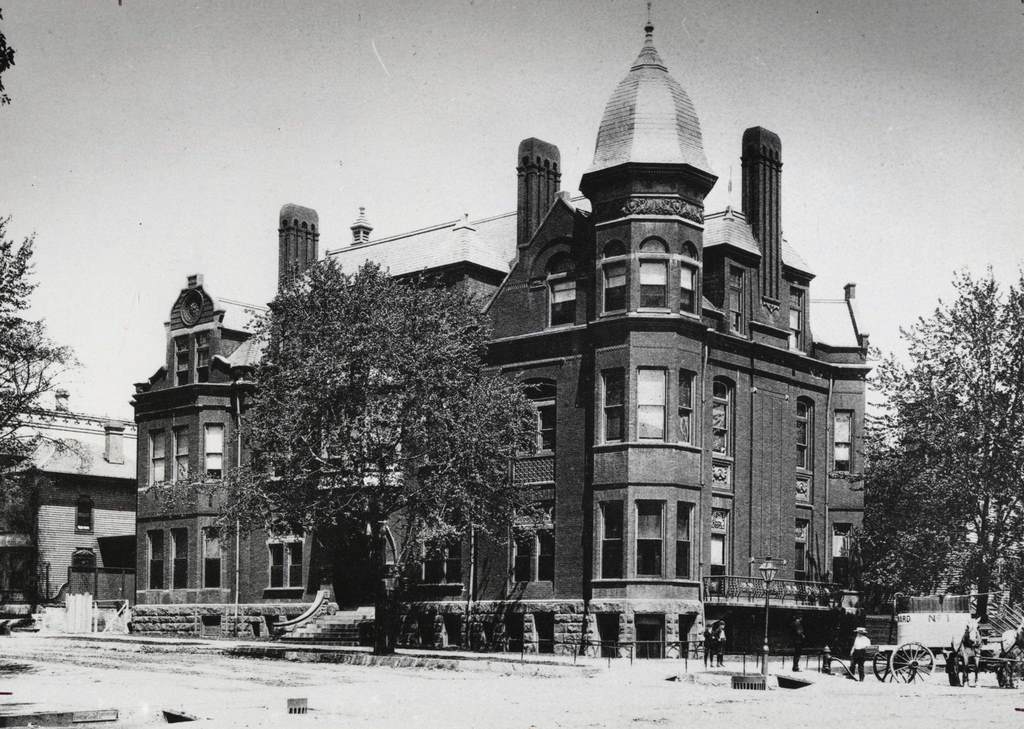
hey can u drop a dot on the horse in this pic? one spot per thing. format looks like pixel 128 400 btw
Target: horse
pixel 966 650
pixel 1011 648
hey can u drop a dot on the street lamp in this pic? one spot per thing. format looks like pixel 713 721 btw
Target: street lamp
pixel 768 568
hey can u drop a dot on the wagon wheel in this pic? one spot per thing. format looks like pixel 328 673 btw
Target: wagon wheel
pixel 880 665
pixel 911 662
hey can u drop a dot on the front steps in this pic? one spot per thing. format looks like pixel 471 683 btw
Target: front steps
pixel 345 627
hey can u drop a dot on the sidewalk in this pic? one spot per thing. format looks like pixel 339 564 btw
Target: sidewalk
pixel 531 664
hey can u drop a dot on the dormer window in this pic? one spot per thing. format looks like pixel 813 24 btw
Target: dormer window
pixel 736 299
pixel 796 318
pixel 561 291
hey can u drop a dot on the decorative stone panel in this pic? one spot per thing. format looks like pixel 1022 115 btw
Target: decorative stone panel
pixel 721 476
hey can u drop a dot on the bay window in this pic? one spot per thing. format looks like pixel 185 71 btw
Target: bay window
pixel 613 406
pixel 611 539
pixel 650 404
pixel 649 538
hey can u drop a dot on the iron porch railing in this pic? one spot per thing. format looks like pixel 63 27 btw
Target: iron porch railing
pixel 744 589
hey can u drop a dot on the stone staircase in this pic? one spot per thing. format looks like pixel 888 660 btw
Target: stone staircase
pixel 345 627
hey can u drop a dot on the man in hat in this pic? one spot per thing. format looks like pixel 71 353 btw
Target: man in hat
pixel 858 653
pixel 720 643
pixel 797 626
pixel 710 643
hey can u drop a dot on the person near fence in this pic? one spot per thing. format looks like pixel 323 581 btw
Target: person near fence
pixel 720 643
pixel 859 652
pixel 709 644
pixel 797 626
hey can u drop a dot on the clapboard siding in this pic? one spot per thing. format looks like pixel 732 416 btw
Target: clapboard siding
pixel 58 539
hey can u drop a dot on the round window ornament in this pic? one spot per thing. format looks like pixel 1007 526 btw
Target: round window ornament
pixel 191 307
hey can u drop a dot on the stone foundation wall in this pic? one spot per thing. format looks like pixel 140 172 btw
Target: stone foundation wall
pixel 214 620
pixel 574 624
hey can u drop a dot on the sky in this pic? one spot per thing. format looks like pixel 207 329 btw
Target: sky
pixel 150 140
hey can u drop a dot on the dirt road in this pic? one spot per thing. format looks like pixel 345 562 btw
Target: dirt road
pixel 141 679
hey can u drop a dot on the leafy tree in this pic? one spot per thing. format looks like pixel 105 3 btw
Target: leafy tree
pixel 373 413
pixel 30 363
pixel 6 61
pixel 945 475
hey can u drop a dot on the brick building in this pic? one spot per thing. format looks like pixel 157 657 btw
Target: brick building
pixel 75 527
pixel 191 574
pixel 696 407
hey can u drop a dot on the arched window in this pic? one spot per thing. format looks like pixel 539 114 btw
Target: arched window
pixel 614 269
pixel 561 290
pixel 653 275
pixel 83 559
pixel 615 248
pixel 83 514
pixel 690 251
pixel 804 431
pixel 721 417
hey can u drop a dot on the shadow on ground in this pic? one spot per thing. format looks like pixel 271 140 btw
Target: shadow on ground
pixel 7 668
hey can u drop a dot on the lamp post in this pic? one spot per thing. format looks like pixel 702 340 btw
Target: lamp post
pixel 768 568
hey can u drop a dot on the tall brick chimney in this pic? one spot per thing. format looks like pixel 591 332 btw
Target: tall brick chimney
pixel 762 177
pixel 297 239
pixel 539 168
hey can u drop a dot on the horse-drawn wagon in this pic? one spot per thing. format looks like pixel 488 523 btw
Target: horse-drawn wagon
pixel 939 631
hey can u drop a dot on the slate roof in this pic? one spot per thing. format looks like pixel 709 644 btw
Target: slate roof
pixel 247 354
pixel 488 242
pixel 87 443
pixel 237 314
pixel 731 226
pixel 649 118
pixel 833 322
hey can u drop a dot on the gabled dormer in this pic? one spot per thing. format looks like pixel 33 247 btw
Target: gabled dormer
pixel 548 286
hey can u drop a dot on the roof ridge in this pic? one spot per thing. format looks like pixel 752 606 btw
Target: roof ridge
pixel 435 227
pixel 236 302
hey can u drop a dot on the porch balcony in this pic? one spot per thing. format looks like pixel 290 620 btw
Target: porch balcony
pixel 748 590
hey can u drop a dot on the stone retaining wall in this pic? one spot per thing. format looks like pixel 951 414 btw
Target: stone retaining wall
pixel 212 620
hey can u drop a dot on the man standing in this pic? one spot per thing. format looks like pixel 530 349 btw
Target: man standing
pixel 858 653
pixel 710 643
pixel 797 627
